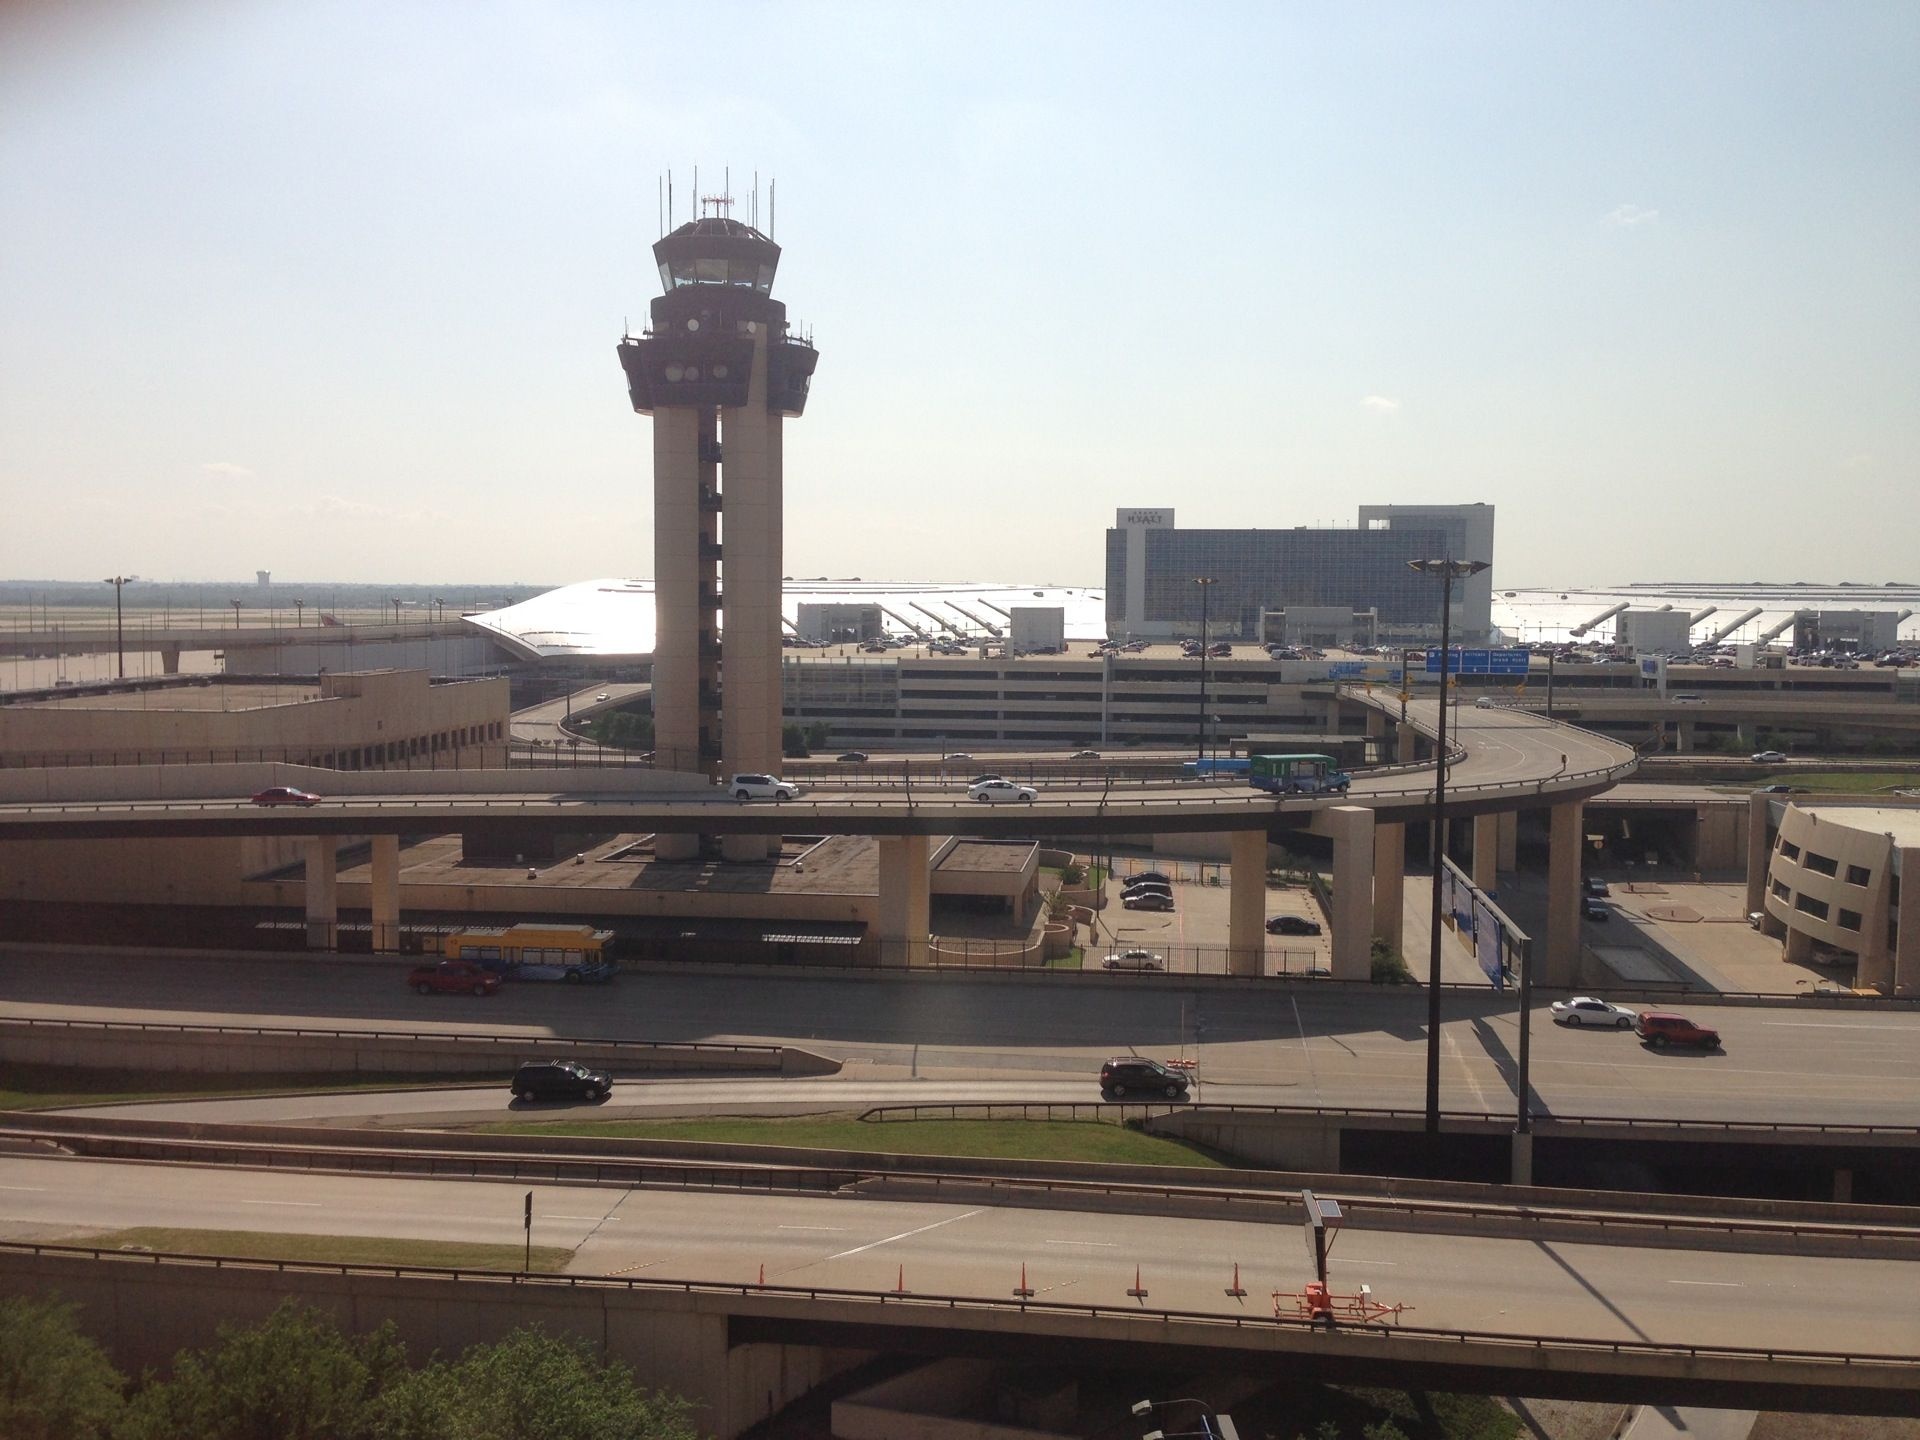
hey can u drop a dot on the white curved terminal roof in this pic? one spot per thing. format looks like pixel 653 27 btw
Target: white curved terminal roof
pixel 1543 614
pixel 615 617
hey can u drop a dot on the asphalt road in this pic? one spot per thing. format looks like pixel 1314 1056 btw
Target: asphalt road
pixel 1471 1282
pixel 942 1039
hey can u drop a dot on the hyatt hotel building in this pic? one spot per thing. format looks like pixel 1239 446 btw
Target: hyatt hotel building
pixel 1151 567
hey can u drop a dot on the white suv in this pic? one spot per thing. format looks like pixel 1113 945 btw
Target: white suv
pixel 761 787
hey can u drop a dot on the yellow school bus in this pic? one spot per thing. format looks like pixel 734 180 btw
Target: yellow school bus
pixel 573 953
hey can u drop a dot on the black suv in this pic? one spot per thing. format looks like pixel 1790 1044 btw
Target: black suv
pixel 560 1080
pixel 1130 1073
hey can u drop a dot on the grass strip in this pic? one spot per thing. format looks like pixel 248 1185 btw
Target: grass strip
pixel 329 1249
pixel 1095 1141
pixel 1844 782
pixel 57 1087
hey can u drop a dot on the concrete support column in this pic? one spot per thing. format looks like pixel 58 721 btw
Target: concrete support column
pixel 1247 902
pixel 1486 851
pixel 1562 957
pixel 746 849
pixel 1759 847
pixel 386 894
pixel 680 845
pixel 1683 738
pixel 323 907
pixel 1352 829
pixel 1389 882
pixel 676 587
pixel 169 659
pixel 1799 948
pixel 1906 948
pixel 1376 723
pixel 1406 742
pixel 1509 840
pixel 905 916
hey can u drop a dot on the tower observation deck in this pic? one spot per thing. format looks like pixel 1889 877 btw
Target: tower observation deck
pixel 719 371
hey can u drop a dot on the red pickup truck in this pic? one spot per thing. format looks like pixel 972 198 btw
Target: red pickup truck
pixel 453 977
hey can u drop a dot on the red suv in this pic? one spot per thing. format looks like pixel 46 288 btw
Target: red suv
pixel 453 977
pixel 1660 1030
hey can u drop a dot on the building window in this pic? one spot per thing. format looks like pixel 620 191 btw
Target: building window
pixel 1849 919
pixel 1859 875
pixel 1821 864
pixel 1806 904
pixel 1780 890
pixel 1789 849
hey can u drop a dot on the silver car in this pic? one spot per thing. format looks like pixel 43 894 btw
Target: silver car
pixel 1586 1010
pixel 993 792
pixel 1133 960
pixel 762 787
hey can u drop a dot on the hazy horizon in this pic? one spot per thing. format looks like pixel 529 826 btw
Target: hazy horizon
pixel 338 287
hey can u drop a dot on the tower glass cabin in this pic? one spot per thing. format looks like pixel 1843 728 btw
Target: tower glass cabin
pixel 719 371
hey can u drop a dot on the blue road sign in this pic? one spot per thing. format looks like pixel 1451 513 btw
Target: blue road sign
pixel 1479 662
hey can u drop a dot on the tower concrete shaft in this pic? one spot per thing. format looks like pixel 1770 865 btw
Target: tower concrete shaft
pixel 719 372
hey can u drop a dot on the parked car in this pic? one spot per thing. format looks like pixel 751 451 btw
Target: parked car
pixel 1147 900
pixel 852 757
pixel 1292 925
pixel 1594 909
pixel 761 787
pixel 1145 887
pixel 1133 960
pixel 453 977
pixel 1140 875
pixel 1587 1010
pixel 1596 886
pixel 560 1080
pixel 284 795
pixel 993 792
pixel 1085 755
pixel 1769 757
pixel 1660 1029
pixel 1125 1073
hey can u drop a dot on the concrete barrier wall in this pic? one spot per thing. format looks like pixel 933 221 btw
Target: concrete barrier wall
pixel 216 782
pixel 141 1313
pixel 289 1053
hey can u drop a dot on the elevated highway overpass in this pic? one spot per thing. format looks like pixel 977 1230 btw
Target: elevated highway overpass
pixel 1504 761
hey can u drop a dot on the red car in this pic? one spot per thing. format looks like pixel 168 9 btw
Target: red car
pixel 1660 1030
pixel 285 795
pixel 453 977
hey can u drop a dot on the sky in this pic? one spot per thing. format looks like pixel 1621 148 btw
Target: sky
pixel 333 289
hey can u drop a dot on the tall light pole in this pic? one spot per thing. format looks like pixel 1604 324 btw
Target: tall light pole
pixel 1448 570
pixel 236 613
pixel 120 582
pixel 1206 583
pixel 299 613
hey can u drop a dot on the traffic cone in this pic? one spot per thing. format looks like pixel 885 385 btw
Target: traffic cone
pixel 900 1282
pixel 1138 1291
pixel 1234 1289
pixel 763 1272
pixel 1023 1291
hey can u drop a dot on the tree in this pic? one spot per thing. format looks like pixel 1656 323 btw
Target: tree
pixel 55 1383
pixel 530 1386
pixel 793 742
pixel 294 1376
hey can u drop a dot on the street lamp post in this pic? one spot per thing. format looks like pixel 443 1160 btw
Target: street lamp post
pixel 236 613
pixel 1448 570
pixel 120 582
pixel 299 613
pixel 1206 583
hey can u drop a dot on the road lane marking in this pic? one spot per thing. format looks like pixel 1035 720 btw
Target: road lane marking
pixel 1099 1244
pixel 34 1189
pixel 1345 1261
pixel 903 1235
pixel 832 1229
pixel 1717 1284
pixel 590 1218
pixel 1831 1025
pixel 303 1204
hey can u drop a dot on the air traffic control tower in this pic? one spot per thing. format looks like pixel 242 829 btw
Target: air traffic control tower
pixel 719 372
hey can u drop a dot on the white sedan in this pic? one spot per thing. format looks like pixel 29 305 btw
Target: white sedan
pixel 1585 1010
pixel 994 791
pixel 1133 960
